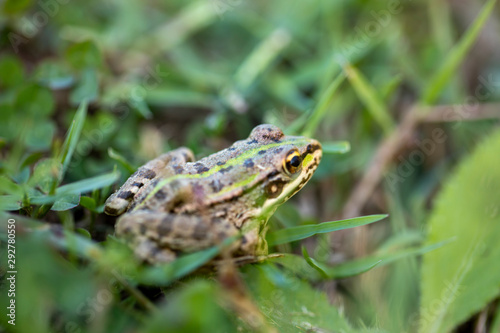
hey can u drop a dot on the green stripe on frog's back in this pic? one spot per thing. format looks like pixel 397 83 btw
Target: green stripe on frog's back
pixel 241 183
pixel 237 160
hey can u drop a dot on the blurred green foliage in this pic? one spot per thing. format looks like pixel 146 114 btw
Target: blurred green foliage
pixel 467 283
pixel 91 90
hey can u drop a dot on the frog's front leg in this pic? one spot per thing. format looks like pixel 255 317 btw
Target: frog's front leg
pixel 156 237
pixel 162 166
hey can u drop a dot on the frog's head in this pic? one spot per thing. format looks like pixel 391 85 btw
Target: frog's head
pixel 284 164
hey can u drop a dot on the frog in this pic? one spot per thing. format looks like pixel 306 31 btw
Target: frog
pixel 174 205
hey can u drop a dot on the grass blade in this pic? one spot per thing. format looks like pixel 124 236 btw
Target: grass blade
pixel 254 65
pixel 340 147
pixel 66 240
pixel 359 266
pixel 191 19
pixel 73 135
pixel 298 266
pixel 363 265
pixel 120 159
pixel 370 98
pixel 305 231
pixel 165 274
pixel 89 184
pixel 322 107
pixel 312 263
pixel 456 56
pixel 78 188
pixel 261 57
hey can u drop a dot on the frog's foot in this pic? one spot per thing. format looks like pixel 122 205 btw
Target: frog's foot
pixel 162 166
pixel 155 234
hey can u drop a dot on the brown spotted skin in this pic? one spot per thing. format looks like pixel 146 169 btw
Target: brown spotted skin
pixel 121 200
pixel 149 233
pixel 174 204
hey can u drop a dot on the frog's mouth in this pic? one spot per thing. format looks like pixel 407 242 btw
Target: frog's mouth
pixel 311 156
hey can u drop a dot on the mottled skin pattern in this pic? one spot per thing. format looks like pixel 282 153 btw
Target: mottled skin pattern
pixel 174 205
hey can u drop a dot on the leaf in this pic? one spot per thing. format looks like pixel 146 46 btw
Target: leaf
pixel 36 101
pixel 9 127
pixel 370 98
pixel 9 187
pixel 461 278
pixel 84 232
pixel 31 159
pixel 22 175
pixel 290 304
pixel 16 6
pixel 456 56
pixel 304 231
pixel 73 135
pixel 66 202
pixel 11 71
pixel 54 75
pixel 88 203
pixel 10 202
pixel 40 136
pixel 87 89
pixel 83 55
pixel 340 147
pixel 46 175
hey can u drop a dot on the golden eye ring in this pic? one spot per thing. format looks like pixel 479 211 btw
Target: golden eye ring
pixel 292 162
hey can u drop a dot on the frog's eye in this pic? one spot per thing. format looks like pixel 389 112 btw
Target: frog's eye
pixel 292 162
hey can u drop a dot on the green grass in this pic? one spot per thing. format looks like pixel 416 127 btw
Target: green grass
pixel 99 88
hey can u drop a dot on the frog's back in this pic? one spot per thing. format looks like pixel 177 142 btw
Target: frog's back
pixel 220 177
